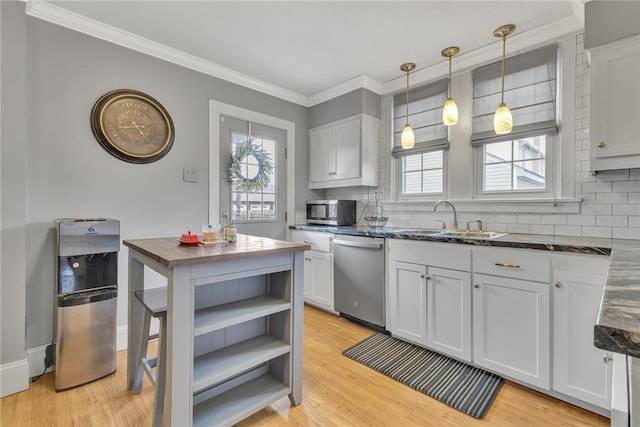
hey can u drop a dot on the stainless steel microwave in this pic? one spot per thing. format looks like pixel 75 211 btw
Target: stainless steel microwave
pixel 331 212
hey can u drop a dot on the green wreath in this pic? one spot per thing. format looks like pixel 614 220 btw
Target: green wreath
pixel 265 167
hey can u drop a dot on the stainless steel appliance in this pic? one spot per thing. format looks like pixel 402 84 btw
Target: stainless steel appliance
pixel 86 279
pixel 359 279
pixel 331 212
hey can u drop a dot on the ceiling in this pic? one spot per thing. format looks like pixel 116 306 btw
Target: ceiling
pixel 309 50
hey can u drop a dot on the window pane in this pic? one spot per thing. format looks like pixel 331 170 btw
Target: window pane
pixel 412 163
pixel 498 152
pixel 497 177
pixel 432 181
pixel 412 182
pixel 529 175
pixel 432 160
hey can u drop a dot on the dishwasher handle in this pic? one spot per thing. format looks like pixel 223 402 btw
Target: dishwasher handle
pixel 359 244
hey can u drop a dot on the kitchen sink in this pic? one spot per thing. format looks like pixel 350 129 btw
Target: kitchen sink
pixel 416 231
pixel 471 234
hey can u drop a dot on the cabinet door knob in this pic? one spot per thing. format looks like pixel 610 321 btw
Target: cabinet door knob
pixel 601 144
pixel 607 357
pixel 476 286
pixel 422 276
pixel 557 284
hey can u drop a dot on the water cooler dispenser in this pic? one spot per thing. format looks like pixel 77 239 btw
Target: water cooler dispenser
pixel 86 270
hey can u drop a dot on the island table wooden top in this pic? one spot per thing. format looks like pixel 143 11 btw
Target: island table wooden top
pixel 169 252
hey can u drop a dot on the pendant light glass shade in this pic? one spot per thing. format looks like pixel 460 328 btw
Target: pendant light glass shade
pixel 503 120
pixel 407 138
pixel 450 109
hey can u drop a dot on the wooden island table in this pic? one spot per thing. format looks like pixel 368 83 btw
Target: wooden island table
pixel 234 325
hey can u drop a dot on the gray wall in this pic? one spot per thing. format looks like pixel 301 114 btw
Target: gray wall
pixel 609 20
pixel 68 174
pixel 12 216
pixel 347 105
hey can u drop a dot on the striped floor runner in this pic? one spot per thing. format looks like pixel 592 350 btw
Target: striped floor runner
pixel 463 387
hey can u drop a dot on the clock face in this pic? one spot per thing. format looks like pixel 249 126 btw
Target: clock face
pixel 132 126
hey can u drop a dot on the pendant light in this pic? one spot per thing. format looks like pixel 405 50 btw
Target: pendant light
pixel 450 109
pixel 407 138
pixel 503 120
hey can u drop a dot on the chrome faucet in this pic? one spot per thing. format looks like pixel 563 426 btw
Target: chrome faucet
pixel 455 213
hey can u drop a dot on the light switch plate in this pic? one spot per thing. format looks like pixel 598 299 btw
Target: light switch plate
pixel 189 175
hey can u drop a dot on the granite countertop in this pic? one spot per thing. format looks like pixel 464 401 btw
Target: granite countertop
pixel 167 251
pixel 617 326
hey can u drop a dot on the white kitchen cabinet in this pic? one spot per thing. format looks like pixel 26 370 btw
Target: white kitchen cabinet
pixel 449 312
pixel 615 105
pixel 407 293
pixel 344 153
pixel 429 291
pixel 511 316
pixel 318 267
pixel 580 369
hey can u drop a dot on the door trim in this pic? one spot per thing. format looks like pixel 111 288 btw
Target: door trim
pixel 217 109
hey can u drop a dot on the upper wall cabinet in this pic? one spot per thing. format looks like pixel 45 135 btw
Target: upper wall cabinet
pixel 615 105
pixel 344 153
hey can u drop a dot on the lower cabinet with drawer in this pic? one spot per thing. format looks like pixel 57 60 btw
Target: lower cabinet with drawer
pixel 318 267
pixel 511 313
pixel 429 295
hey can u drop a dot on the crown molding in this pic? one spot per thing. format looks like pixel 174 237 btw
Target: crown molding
pixel 523 41
pixel 362 81
pixel 76 22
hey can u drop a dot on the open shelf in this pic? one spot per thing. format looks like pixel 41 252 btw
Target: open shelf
pixel 239 402
pixel 217 366
pixel 221 316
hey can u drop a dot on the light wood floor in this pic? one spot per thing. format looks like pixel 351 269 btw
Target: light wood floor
pixel 336 392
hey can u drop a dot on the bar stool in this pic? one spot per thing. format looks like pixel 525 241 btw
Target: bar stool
pixel 154 302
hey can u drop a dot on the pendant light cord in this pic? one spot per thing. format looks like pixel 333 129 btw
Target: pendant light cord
pixel 504 49
pixel 449 90
pixel 407 117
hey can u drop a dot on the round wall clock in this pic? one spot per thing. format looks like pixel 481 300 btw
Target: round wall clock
pixel 132 126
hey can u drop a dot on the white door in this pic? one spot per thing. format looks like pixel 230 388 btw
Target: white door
pixel 408 301
pixel 511 330
pixel 449 312
pixel 253 185
pixel 579 368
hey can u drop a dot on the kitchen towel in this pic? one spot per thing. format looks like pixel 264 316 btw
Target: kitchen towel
pixel 461 386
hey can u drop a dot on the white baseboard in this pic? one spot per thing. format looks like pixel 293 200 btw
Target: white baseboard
pixel 14 377
pixel 35 359
pixel 122 334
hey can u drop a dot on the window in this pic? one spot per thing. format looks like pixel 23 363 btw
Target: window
pixel 421 169
pixel 518 162
pixel 260 204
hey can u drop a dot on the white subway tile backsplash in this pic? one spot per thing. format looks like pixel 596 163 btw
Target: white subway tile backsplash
pixel 553 219
pixel 627 210
pixel 597 187
pixel 615 175
pixel 518 228
pixel 606 232
pixel 541 229
pixel 581 220
pixel 568 230
pixel 612 198
pixel 634 174
pixel 592 209
pixel 626 233
pixel 634 221
pixel 634 197
pixel 612 221
pixel 507 219
pixel 529 219
pixel 626 186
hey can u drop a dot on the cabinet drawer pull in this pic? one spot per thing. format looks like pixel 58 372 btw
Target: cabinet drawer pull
pixel 476 286
pixel 307 242
pixel 504 264
pixel 601 144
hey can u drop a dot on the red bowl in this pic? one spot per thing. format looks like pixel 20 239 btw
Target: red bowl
pixel 189 239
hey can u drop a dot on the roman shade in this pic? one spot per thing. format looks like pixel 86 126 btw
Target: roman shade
pixel 530 92
pixel 425 117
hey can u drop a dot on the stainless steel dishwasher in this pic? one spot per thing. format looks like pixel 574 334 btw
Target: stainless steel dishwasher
pixel 359 279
